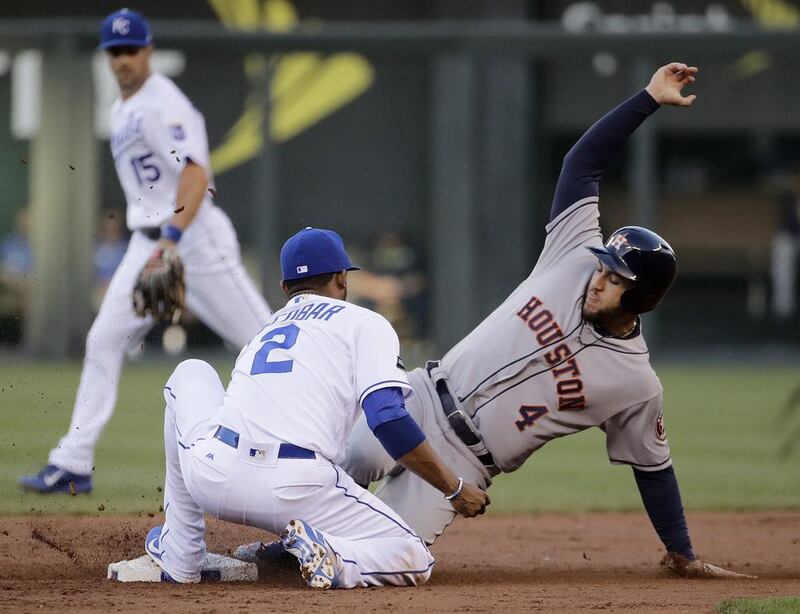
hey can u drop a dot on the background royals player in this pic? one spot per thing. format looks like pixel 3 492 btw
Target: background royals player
pixel 160 151
pixel 265 452
pixel 563 353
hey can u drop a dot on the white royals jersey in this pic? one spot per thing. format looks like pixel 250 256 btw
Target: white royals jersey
pixel 303 377
pixel 153 133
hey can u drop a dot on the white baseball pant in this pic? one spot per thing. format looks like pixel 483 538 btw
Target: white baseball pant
pixel 218 291
pixel 374 546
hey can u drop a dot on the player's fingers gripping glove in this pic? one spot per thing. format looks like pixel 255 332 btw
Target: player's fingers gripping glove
pixel 683 567
pixel 160 290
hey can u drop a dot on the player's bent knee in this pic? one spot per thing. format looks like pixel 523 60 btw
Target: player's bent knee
pixel 191 370
pixel 425 563
pixel 191 367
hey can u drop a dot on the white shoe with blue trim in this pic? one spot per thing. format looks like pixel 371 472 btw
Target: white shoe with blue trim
pixel 152 546
pixel 318 563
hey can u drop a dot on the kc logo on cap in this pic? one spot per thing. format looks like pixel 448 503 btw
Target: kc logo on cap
pixel 121 25
pixel 125 28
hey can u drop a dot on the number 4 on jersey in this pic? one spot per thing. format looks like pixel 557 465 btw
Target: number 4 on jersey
pixel 529 415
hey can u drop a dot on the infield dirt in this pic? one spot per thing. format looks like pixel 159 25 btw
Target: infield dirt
pixel 548 563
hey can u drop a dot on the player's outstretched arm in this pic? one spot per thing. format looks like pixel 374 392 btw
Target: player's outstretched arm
pixel 662 500
pixel 587 161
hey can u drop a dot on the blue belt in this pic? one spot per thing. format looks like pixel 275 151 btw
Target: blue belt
pixel 286 450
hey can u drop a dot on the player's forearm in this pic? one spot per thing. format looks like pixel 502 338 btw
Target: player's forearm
pixel 192 188
pixel 424 462
pixel 662 500
pixel 587 161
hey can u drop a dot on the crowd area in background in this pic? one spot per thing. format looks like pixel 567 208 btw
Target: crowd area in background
pixel 17 267
pixel 786 244
pixel 394 280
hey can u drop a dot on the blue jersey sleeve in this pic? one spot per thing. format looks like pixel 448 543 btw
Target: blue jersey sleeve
pixel 391 423
pixel 588 159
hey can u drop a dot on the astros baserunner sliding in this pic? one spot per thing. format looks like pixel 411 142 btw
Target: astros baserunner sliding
pixel 563 353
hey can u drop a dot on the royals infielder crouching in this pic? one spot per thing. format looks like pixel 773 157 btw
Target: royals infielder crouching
pixel 266 452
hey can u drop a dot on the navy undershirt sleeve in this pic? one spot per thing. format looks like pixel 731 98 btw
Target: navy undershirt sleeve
pixel 588 159
pixel 391 423
pixel 662 500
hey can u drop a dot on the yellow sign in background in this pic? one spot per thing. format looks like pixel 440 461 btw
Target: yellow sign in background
pixel 305 87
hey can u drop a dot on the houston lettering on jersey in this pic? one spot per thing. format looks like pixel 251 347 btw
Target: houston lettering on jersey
pixel 565 370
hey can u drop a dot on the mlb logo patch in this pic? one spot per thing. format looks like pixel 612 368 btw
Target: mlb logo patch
pixel 302 269
pixel 177 132
pixel 258 454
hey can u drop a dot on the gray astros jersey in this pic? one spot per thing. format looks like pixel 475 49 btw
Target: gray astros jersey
pixel 533 370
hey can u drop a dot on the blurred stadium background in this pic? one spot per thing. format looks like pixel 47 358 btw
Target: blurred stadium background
pixel 430 134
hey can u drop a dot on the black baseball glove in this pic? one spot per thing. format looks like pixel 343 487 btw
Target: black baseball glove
pixel 160 290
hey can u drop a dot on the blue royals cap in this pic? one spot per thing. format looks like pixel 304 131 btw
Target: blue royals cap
pixel 314 251
pixel 125 28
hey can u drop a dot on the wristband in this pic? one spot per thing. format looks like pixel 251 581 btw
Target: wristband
pixel 457 491
pixel 171 232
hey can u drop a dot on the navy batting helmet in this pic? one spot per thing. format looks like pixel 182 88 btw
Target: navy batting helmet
pixel 644 258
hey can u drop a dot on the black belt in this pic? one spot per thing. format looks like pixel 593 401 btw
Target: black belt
pixel 286 450
pixel 456 418
pixel 154 233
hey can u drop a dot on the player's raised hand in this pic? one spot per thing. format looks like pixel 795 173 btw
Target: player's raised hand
pixel 471 502
pixel 668 82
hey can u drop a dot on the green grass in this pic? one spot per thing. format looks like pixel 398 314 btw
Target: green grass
pixel 37 404
pixel 757 605
pixel 721 422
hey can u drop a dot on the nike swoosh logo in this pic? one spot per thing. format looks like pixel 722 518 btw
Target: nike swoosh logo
pixel 152 548
pixel 50 480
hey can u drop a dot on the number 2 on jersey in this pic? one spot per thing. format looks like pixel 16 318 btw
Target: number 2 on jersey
pixel 529 415
pixel 261 364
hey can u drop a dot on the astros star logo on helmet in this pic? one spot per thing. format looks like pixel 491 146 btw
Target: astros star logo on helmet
pixel 620 240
